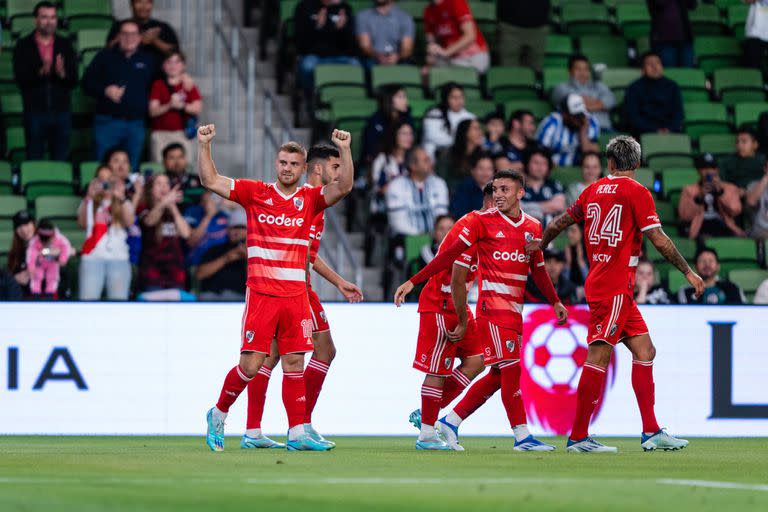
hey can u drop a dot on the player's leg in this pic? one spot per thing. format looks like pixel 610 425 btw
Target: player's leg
pixel 314 376
pixel 476 396
pixel 257 395
pixel 470 351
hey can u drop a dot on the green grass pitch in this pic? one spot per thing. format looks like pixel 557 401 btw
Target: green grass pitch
pixel 86 474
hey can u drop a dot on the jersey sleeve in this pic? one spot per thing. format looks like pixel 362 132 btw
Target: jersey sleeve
pixel 243 191
pixel 472 231
pixel 316 197
pixel 466 258
pixel 644 210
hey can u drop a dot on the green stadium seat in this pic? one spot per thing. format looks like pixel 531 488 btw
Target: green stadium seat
pixel 633 20
pixel 6 178
pixel 76 237
pixel 737 18
pixel 152 168
pixel 748 113
pixel 717 144
pixel 62 210
pixel 414 7
pixel 673 180
pixel 511 83
pixel 413 245
pixel 481 108
pixel 559 49
pixel 22 24
pixel 722 4
pixel 339 81
pixel 705 118
pixel 88 172
pixel 692 83
pixel 667 212
pixel 686 246
pixel 646 177
pixel 6 69
pixel 585 19
pixel 749 279
pixel 34 171
pixel 566 175
pixel 601 49
pixel 352 108
pixel 485 17
pixel 14 143
pixel 739 85
pixel 732 248
pixel 91 38
pixel 667 150
pixel 466 77
pixel 87 14
pixel 12 108
pixel 618 79
pixel 705 20
pixel 356 130
pixel 82 104
pixel 552 77
pixel 408 77
pixel 676 280
pixel 10 205
pixel 715 52
pixel 420 107
pixel 539 108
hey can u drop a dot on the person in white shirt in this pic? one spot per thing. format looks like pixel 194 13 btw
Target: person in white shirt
pixel 390 163
pixel 440 123
pixel 756 33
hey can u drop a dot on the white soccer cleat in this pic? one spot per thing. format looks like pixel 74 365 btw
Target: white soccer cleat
pixel 589 445
pixel 661 440
pixel 450 434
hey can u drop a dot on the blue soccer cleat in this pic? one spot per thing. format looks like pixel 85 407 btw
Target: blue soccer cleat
pixel 589 445
pixel 449 433
pixel 304 443
pixel 215 437
pixel 661 440
pixel 434 444
pixel 263 442
pixel 531 444
pixel 415 419
pixel 315 435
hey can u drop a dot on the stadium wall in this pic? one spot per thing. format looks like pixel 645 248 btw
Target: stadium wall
pixel 156 368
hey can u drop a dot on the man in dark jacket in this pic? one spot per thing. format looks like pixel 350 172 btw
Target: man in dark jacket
pixel 653 103
pixel 45 69
pixel 119 78
pixel 671 35
pixel 157 36
pixel 522 32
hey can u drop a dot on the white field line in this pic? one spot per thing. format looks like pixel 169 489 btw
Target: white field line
pixel 715 485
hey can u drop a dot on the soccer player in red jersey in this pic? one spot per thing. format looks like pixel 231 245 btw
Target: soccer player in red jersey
pixel 324 165
pixel 616 212
pixel 277 305
pixel 497 238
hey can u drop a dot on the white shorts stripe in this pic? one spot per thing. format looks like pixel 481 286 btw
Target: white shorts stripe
pixel 245 312
pixel 434 364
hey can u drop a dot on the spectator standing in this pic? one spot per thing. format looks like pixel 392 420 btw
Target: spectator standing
pixel 653 103
pixel 441 122
pixel 468 144
pixel 119 78
pixel 522 32
pixel 591 171
pixel 554 262
pixel 570 132
pixel 24 228
pixel 393 107
pixel 757 200
pixel 390 163
pixel 522 130
pixel 385 34
pixel 647 291
pixel 325 34
pixel 716 290
pixel 544 197
pixel 747 164
pixel 174 104
pixel 453 38
pixel 47 252
pixel 163 229
pixel 45 70
pixel 119 163
pixel 416 200
pixel 598 98
pixel 671 34
pixel 756 34
pixel 224 267
pixel 157 37
pixel 208 221
pixel 105 214
pixel 711 205
pixel 469 191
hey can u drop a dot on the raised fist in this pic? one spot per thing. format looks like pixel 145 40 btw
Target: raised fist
pixel 206 133
pixel 341 138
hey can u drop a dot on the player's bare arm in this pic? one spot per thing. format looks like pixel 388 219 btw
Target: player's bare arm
pixel 209 175
pixel 667 248
pixel 350 291
pixel 459 295
pixel 338 190
pixel 553 229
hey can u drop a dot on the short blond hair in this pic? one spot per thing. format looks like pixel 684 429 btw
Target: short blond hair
pixel 293 147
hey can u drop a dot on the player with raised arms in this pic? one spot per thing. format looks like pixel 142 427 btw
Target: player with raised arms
pixel 280 216
pixel 323 167
pixel 616 212
pixel 497 239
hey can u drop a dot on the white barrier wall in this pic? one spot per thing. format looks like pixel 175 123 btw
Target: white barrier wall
pixel 152 368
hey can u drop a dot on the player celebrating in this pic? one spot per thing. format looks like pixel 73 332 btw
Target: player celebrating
pixel 279 221
pixel 617 211
pixel 497 237
pixel 324 164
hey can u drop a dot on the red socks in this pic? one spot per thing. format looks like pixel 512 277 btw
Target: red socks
pixel 430 404
pixel 234 384
pixel 257 395
pixel 642 383
pixel 453 387
pixel 479 393
pixel 587 397
pixel 511 396
pixel 294 398
pixel 314 376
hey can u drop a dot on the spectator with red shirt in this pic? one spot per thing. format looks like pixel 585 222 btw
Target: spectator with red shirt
pixel 453 37
pixel 174 104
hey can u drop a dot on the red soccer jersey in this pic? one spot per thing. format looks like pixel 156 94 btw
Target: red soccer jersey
pixel 615 211
pixel 444 21
pixel 278 235
pixel 503 264
pixel 436 296
pixel 315 235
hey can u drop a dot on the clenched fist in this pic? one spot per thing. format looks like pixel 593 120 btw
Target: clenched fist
pixel 341 138
pixel 206 133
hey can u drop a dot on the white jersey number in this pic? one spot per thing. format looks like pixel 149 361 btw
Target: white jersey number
pixel 610 230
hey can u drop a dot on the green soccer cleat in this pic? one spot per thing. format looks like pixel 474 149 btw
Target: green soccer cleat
pixel 263 442
pixel 304 443
pixel 315 435
pixel 661 440
pixel 215 436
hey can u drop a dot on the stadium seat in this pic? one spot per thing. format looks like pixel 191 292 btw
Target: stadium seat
pixel 674 179
pixel 737 18
pixel 87 172
pixel 466 77
pixel 62 210
pixel 667 150
pixel 76 237
pixel 559 49
pixel 88 14
pixel 715 52
pixel 485 17
pixel 91 38
pixel 408 77
pixel 618 79
pixel 633 20
pixel 566 175
pixel 414 7
pixel 646 177
pixel 739 85
pixel 552 77
pixel 481 108
pixel 705 118
pixel 580 19
pixel 82 104
pixel 676 280
pixel 718 144
pixel 354 127
pixel 9 205
pixel 12 108
pixel 732 248
pixel 352 108
pixel 511 83
pixel 601 49
pixel 692 83
pixel 339 81
pixel 748 113
pixel 686 246
pixel 22 24
pixel 667 212
pixel 6 178
pixel 14 143
pixel 749 279
pixel 41 177
pixel 413 245
pixel 151 168
pixel 539 108
pixel 705 20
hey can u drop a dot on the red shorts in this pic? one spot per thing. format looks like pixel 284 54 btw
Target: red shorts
pixel 612 320
pixel 286 319
pixel 434 352
pixel 500 343
pixel 319 320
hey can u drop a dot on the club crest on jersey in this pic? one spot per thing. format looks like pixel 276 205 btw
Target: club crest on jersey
pixel 447 363
pixel 249 336
pixel 298 203
pixel 510 345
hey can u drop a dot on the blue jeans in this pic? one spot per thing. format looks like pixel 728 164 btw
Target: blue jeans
pixel 308 63
pixel 127 134
pixel 50 129
pixel 96 273
pixel 675 55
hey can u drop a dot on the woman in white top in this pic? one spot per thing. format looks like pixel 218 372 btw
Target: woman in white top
pixel 591 171
pixel 390 163
pixel 104 214
pixel 756 33
pixel 440 123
